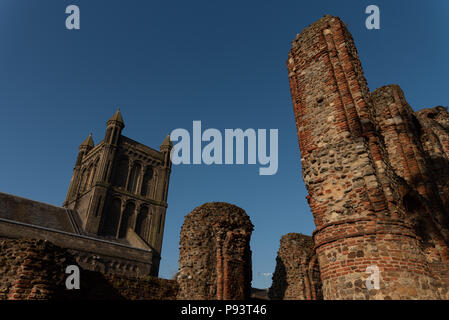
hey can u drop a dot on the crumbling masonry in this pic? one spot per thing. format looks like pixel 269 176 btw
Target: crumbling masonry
pixel 214 254
pixel 297 274
pixel 376 172
pixel 36 270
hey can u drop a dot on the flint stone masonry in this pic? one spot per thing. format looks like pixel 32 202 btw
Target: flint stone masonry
pixel 434 138
pixel 214 253
pixel 371 167
pixel 35 270
pixel 32 269
pixel 297 274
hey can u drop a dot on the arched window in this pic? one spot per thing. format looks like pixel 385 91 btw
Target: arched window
pixel 153 185
pixel 142 222
pixel 122 172
pixel 111 218
pixel 126 219
pixel 134 177
pixel 83 181
pixel 89 177
pixel 92 172
pixel 146 183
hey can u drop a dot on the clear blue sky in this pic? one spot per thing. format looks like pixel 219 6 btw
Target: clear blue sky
pixel 168 63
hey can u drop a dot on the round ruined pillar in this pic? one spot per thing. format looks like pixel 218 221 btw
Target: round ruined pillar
pixel 358 201
pixel 215 254
pixel 297 275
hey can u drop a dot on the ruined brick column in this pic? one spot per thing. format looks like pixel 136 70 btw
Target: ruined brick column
pixel 399 128
pixel 401 131
pixel 214 253
pixel 354 194
pixel 435 140
pixel 297 275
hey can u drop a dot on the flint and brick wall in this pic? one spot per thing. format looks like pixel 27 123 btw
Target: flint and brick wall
pixel 297 275
pixel 361 201
pixel 214 253
pixel 434 136
pixel 32 269
pixel 35 270
pixel 401 131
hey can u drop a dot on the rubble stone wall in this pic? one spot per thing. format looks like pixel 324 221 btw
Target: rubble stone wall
pixel 214 253
pixel 368 209
pixel 297 275
pixel 35 270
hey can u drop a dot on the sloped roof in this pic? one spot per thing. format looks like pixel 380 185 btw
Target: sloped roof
pixel 35 213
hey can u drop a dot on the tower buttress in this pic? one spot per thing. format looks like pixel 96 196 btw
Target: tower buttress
pixel 161 195
pixel 83 149
pixel 114 129
pixel 165 148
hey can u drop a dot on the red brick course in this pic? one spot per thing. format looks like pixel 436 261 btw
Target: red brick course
pixel 214 254
pixel 369 178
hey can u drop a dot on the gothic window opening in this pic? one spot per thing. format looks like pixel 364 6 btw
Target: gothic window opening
pixel 112 217
pixel 126 219
pixel 142 222
pixel 146 183
pixel 122 172
pixel 92 174
pixel 84 180
pixel 134 177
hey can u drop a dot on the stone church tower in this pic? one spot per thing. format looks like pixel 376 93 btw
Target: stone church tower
pixel 119 188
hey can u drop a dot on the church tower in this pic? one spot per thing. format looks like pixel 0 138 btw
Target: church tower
pixel 119 189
